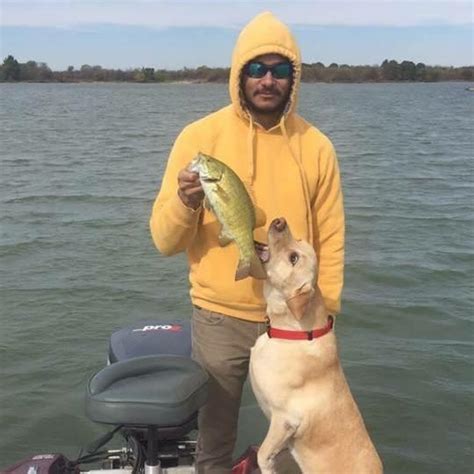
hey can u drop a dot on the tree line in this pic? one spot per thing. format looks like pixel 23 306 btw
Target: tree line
pixel 390 70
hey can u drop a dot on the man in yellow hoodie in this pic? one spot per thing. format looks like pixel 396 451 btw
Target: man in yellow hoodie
pixel 291 170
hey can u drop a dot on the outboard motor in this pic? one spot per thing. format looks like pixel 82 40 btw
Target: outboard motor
pixel 151 389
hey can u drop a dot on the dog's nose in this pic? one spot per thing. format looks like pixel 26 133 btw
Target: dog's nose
pixel 279 224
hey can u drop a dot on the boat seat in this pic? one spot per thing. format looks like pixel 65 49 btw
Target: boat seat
pixel 151 338
pixel 164 391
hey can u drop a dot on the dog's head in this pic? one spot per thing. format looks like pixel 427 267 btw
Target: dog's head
pixel 291 267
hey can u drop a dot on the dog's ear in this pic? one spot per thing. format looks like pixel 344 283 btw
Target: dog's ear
pixel 298 302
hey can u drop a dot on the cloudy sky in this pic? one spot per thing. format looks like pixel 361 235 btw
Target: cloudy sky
pixel 173 34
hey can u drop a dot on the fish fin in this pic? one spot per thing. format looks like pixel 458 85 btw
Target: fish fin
pixel 260 217
pixel 224 238
pixel 252 268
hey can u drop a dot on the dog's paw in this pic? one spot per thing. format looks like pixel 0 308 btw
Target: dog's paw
pixel 267 471
pixel 266 465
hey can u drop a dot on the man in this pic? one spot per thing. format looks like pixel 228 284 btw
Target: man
pixel 290 170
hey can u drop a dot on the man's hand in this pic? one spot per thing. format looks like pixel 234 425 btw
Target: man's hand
pixel 189 188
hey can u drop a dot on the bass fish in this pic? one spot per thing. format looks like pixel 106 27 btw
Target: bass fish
pixel 227 198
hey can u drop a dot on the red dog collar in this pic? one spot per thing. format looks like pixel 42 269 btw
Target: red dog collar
pixel 301 335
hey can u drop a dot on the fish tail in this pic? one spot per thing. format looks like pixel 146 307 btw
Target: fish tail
pixel 252 267
pixel 256 268
pixel 243 270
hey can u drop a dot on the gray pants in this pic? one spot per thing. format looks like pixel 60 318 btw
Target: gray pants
pixel 221 344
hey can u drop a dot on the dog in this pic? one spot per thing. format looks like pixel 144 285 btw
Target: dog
pixel 299 383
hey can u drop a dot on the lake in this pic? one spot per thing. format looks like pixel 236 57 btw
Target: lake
pixel 80 167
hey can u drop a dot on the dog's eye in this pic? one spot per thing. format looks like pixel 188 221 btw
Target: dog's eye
pixel 294 257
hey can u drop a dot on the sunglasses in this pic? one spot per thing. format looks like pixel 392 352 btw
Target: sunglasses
pixel 279 71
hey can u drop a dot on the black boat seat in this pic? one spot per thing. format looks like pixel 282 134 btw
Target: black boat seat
pixel 151 338
pixel 161 390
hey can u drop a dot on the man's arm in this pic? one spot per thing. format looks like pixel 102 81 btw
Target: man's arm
pixel 328 230
pixel 176 210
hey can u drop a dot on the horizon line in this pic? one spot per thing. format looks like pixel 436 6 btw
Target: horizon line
pixel 313 63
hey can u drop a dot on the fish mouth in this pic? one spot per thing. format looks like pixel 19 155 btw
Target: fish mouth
pixel 263 251
pixel 194 165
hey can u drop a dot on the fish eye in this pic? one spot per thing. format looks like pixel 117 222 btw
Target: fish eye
pixel 294 257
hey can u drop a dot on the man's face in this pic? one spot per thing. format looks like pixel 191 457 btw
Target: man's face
pixel 269 94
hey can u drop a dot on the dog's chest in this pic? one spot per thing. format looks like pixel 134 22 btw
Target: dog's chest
pixel 277 367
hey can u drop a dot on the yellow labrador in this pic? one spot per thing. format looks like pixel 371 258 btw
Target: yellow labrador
pixel 296 374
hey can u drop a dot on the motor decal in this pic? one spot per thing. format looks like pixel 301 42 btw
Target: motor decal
pixel 160 327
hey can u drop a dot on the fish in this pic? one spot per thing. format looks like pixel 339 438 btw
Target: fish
pixel 228 199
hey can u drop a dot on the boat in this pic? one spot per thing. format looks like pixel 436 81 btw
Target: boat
pixel 149 393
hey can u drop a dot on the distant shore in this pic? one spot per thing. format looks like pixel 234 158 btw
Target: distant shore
pixel 185 83
pixel 389 71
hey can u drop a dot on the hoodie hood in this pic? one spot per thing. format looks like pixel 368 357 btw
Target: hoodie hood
pixel 264 34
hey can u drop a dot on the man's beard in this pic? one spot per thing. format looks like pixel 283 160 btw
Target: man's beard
pixel 278 108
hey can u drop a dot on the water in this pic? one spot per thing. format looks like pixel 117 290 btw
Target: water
pixel 80 167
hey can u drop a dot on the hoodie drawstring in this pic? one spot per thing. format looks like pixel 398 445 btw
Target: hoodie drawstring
pixel 299 164
pixel 251 157
pixel 304 182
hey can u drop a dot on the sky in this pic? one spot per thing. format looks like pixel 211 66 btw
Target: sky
pixel 167 34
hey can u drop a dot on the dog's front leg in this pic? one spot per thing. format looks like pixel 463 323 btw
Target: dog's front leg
pixel 280 431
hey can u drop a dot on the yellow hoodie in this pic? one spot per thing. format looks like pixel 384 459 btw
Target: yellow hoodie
pixel 290 170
